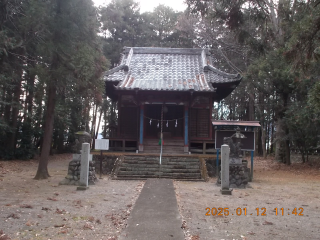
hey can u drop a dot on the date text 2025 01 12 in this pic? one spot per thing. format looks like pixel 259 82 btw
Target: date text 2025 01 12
pixel 258 211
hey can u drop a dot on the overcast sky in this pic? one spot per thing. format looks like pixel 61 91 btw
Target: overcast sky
pixel 149 5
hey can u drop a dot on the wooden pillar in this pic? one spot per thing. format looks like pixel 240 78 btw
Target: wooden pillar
pixel 119 119
pixel 210 117
pixel 186 128
pixel 141 128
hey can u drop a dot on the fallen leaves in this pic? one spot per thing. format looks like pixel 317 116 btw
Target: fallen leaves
pixel 64 231
pixel 61 211
pixel 13 215
pixel 69 213
pixel 184 225
pixel 52 199
pixel 45 209
pixel 77 203
pixel 26 206
pixel 29 223
pixel 88 225
pixel 59 225
pixel 98 221
pixel 267 223
pixel 3 236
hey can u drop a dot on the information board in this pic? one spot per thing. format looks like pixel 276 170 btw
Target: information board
pixel 247 144
pixel 101 144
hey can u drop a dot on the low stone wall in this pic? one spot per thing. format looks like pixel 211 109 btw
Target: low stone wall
pixel 73 176
pixel 297 158
pixel 107 163
pixel 211 166
pixel 238 176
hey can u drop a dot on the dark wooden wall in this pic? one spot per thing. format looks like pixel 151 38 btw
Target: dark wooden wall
pixel 129 122
pixel 199 123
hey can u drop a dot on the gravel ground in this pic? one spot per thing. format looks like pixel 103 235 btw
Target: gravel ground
pixel 255 212
pixel 31 209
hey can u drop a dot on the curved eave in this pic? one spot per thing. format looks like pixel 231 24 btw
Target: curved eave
pixel 110 90
pixel 224 89
pixel 221 73
pixel 116 69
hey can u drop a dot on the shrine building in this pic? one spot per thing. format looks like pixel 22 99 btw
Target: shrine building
pixel 169 91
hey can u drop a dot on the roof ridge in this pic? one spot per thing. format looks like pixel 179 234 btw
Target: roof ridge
pixel 116 69
pixel 163 50
pixel 216 70
pixel 207 66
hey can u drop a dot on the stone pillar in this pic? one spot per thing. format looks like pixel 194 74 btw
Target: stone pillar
pixel 186 126
pixel 84 172
pixel 141 128
pixel 225 152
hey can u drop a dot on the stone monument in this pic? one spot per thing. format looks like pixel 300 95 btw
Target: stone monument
pixel 238 170
pixel 84 171
pixel 74 169
pixel 225 152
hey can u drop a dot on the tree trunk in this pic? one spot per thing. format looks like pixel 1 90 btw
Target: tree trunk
pixel 29 97
pixel 97 133
pixel 303 157
pixel 272 133
pixel 15 112
pixel 251 107
pixel 263 141
pixel 279 151
pixel 42 172
pixel 93 128
pixel 87 114
pixel 287 147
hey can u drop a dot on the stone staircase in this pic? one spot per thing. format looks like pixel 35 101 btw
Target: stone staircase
pixel 171 146
pixel 131 167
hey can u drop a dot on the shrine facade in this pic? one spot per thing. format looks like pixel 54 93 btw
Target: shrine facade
pixel 169 91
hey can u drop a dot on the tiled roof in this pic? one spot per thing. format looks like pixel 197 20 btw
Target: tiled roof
pixel 168 69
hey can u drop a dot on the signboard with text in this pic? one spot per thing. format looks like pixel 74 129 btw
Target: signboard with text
pixel 101 144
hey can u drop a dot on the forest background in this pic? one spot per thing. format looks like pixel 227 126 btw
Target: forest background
pixel 53 54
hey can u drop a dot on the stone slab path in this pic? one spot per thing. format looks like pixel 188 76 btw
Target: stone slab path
pixel 155 215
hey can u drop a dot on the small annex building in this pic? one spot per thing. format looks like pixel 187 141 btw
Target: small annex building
pixel 168 90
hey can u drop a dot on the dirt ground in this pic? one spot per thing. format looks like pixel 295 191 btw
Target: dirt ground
pixel 277 191
pixel 31 209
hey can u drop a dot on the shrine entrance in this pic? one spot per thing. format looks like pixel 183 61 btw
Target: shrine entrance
pixel 173 121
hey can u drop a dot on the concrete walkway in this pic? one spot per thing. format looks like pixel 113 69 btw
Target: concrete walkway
pixel 155 215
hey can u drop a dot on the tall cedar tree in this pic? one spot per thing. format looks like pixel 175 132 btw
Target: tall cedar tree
pixel 73 26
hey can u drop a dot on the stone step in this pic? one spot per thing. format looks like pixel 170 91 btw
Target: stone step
pixel 148 173
pixel 163 166
pixel 172 150
pixel 154 170
pixel 167 142
pixel 173 176
pixel 141 167
pixel 163 160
